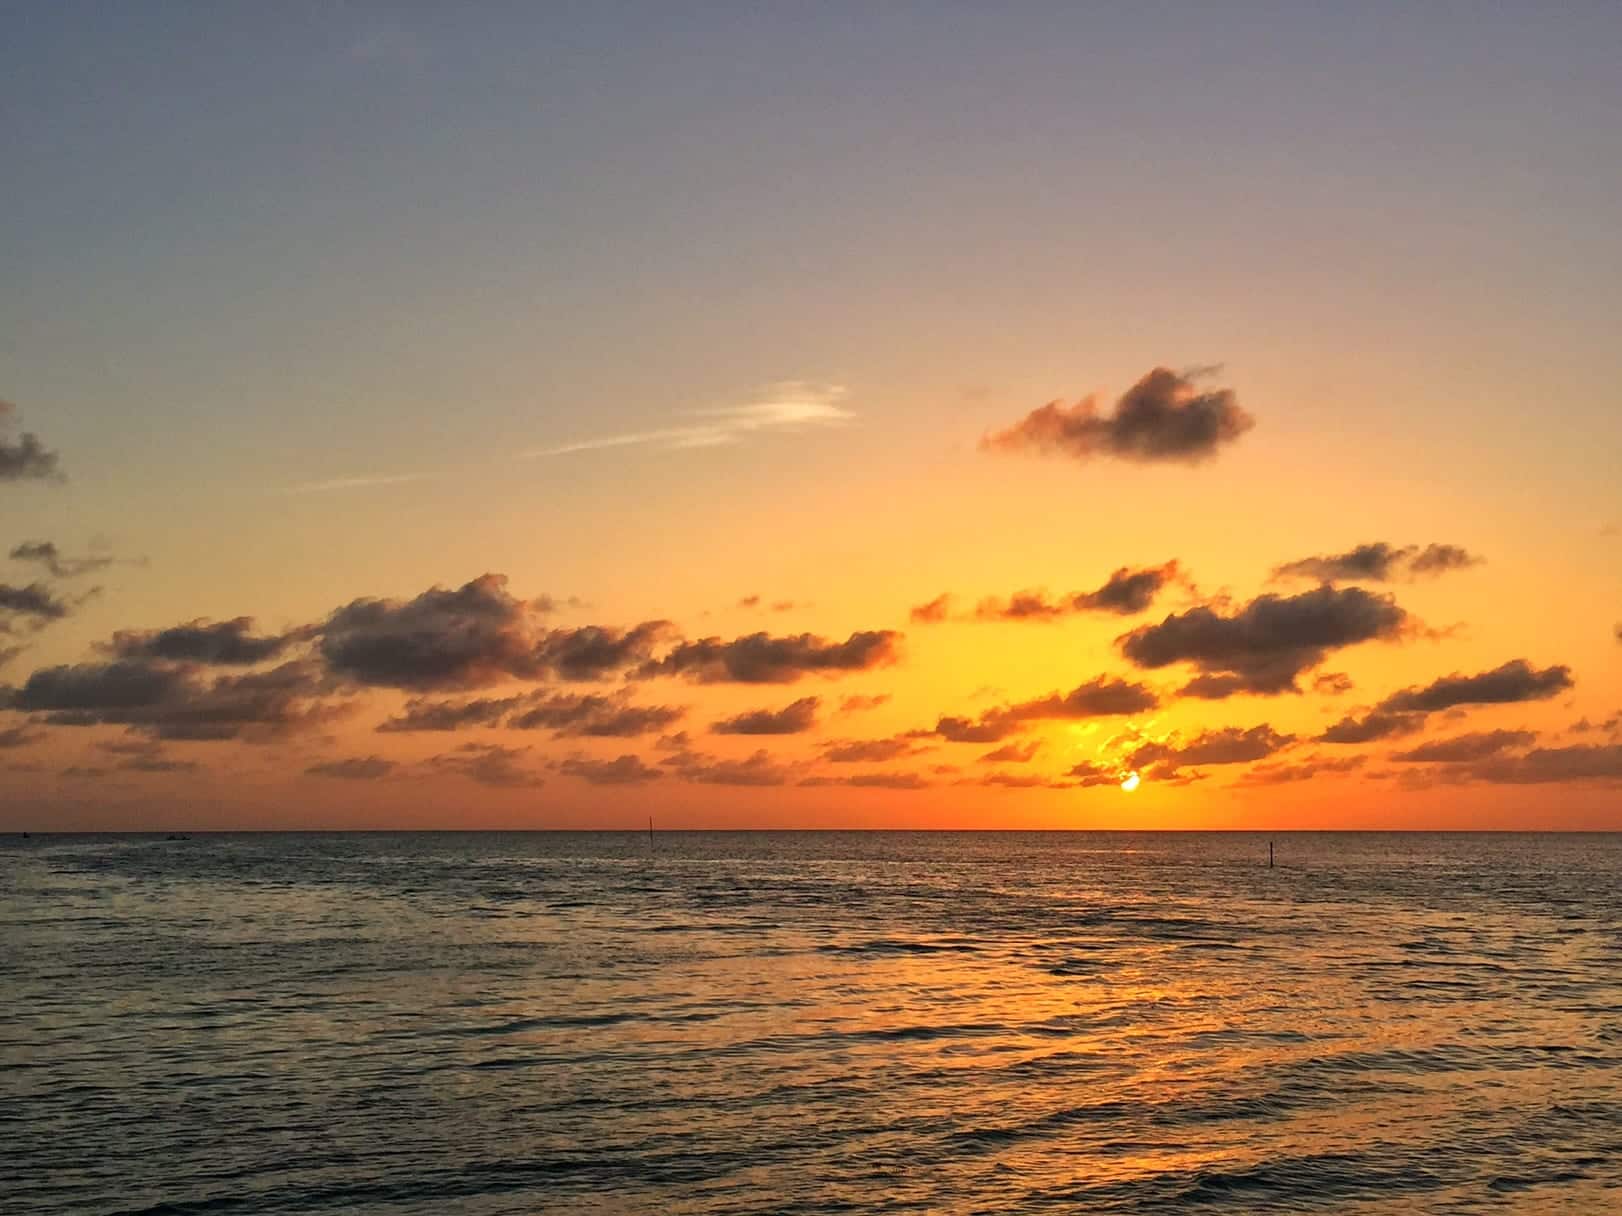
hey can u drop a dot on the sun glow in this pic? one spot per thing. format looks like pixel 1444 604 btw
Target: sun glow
pixel 1130 782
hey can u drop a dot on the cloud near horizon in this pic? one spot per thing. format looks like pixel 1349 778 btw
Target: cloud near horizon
pixel 1161 418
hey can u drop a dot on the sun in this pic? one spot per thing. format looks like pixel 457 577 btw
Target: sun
pixel 1130 782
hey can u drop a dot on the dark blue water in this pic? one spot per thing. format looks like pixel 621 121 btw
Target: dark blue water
pixel 815 1022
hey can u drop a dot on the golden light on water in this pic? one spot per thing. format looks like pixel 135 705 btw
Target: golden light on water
pixel 1130 782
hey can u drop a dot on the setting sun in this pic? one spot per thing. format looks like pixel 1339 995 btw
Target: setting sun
pixel 1130 782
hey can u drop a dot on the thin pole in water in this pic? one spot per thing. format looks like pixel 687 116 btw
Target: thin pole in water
pixel 650 831
pixel 1269 853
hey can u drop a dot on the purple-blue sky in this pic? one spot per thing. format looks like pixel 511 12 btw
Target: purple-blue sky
pixel 651 309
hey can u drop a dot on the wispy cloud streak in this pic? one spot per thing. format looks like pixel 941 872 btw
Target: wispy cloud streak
pixel 788 406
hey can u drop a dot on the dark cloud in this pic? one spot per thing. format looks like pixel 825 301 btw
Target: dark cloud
pixel 758 769
pixel 473 636
pixel 1013 753
pixel 594 652
pixel 792 719
pixel 622 770
pixel 1087 775
pixel 19 736
pixel 1100 697
pixel 859 704
pixel 1162 417
pixel 882 781
pixel 1373 726
pixel 1305 770
pixel 45 553
pixel 35 602
pixel 871 751
pixel 424 714
pixel 1378 562
pixel 1264 646
pixel 178 701
pixel 565 714
pixel 969 730
pixel 1127 591
pixel 1024 781
pixel 488 764
pixel 1230 745
pixel 227 643
pixel 25 458
pixel 1515 681
pixel 355 768
pixel 144 756
pixel 1463 748
pixel 749 601
pixel 1333 684
pixel 1544 765
pixel 593 716
pixel 760 658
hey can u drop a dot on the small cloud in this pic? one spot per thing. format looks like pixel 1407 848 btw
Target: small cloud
pixel 792 719
pixel 358 768
pixel 622 770
pixel 25 458
pixel 871 751
pixel 760 658
pixel 1461 748
pixel 860 704
pixel 1379 562
pixel 488 764
pixel 933 612
pixel 1162 418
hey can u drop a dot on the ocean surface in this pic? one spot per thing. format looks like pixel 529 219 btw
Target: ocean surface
pixel 811 1022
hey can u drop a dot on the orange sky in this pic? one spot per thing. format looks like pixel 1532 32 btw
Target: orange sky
pixel 840 314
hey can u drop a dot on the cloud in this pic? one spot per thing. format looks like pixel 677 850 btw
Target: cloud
pixel 762 659
pixel 226 643
pixel 1333 684
pixel 466 638
pixel 488 764
pixel 1378 562
pixel 1545 765
pixel 1267 644
pixel 1127 591
pixel 1025 781
pixel 1373 726
pixel 35 605
pixel 19 736
pixel 144 756
pixel 789 406
pixel 471 637
pixel 860 704
pixel 1100 697
pixel 45 553
pixel 25 458
pixel 1306 770
pixel 759 769
pixel 1161 418
pixel 870 751
pixel 355 768
pixel 1230 745
pixel 170 701
pixel 1462 748
pixel 792 719
pixel 623 770
pixel 1515 681
pixel 1088 775
pixel 881 781
pixel 565 714
pixel 1013 753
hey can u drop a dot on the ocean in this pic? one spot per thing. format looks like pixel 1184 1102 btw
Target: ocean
pixel 707 1023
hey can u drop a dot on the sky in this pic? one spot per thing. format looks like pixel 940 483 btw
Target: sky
pixel 559 416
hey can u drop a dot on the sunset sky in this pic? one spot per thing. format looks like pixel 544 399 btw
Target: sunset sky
pixel 579 415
